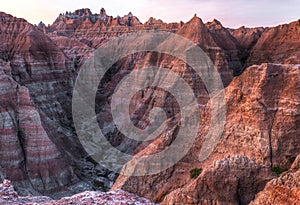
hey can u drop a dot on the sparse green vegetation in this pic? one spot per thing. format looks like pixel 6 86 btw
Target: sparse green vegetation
pixel 278 170
pixel 194 173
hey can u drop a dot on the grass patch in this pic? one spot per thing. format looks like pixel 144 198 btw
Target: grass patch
pixel 194 173
pixel 278 170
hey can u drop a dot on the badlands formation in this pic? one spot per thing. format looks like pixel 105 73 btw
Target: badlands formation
pixel 256 161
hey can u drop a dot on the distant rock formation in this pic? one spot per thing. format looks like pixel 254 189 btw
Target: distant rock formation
pixel 153 21
pixel 42 27
pixel 103 17
pixel 80 13
pixel 41 154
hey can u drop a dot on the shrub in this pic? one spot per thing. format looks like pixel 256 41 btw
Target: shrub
pixel 278 170
pixel 194 173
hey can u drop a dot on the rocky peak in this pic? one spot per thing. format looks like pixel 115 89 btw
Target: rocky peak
pixel 84 12
pixel 194 30
pixel 229 45
pixel 219 45
pixel 103 16
pixel 42 26
pixel 130 20
pixel 102 11
pixel 215 24
pixel 196 21
pixel 153 21
pixel 261 130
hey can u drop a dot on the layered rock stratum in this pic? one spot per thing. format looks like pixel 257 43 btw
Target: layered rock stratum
pixel 41 154
pixel 253 129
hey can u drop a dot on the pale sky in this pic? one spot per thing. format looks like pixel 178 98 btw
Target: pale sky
pixel 232 13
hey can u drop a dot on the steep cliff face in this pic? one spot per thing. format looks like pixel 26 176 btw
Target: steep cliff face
pixel 42 76
pixel 27 154
pixel 39 149
pixel 262 124
pixel 280 44
pixel 247 37
pixel 232 49
pixel 263 115
pixel 196 31
pixel 37 63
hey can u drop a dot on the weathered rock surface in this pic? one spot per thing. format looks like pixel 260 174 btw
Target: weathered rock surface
pixel 262 124
pixel 75 50
pixel 37 79
pixel 27 154
pixel 282 190
pixel 247 37
pixel 109 198
pixel 280 44
pixel 213 38
pixel 8 196
pixel 39 150
pixel 196 31
pixel 228 44
pixel 228 181
pixel 263 115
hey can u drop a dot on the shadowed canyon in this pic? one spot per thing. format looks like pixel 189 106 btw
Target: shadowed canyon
pixel 42 160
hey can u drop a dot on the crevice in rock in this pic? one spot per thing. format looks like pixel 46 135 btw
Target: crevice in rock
pixel 270 137
pixel 270 145
pixel 238 197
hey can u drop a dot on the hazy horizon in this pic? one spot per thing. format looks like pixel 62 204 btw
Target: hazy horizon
pixel 233 13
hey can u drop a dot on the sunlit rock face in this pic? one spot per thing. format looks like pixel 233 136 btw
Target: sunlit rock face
pixel 239 178
pixel 41 154
pixel 282 190
pixel 262 124
pixel 280 44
